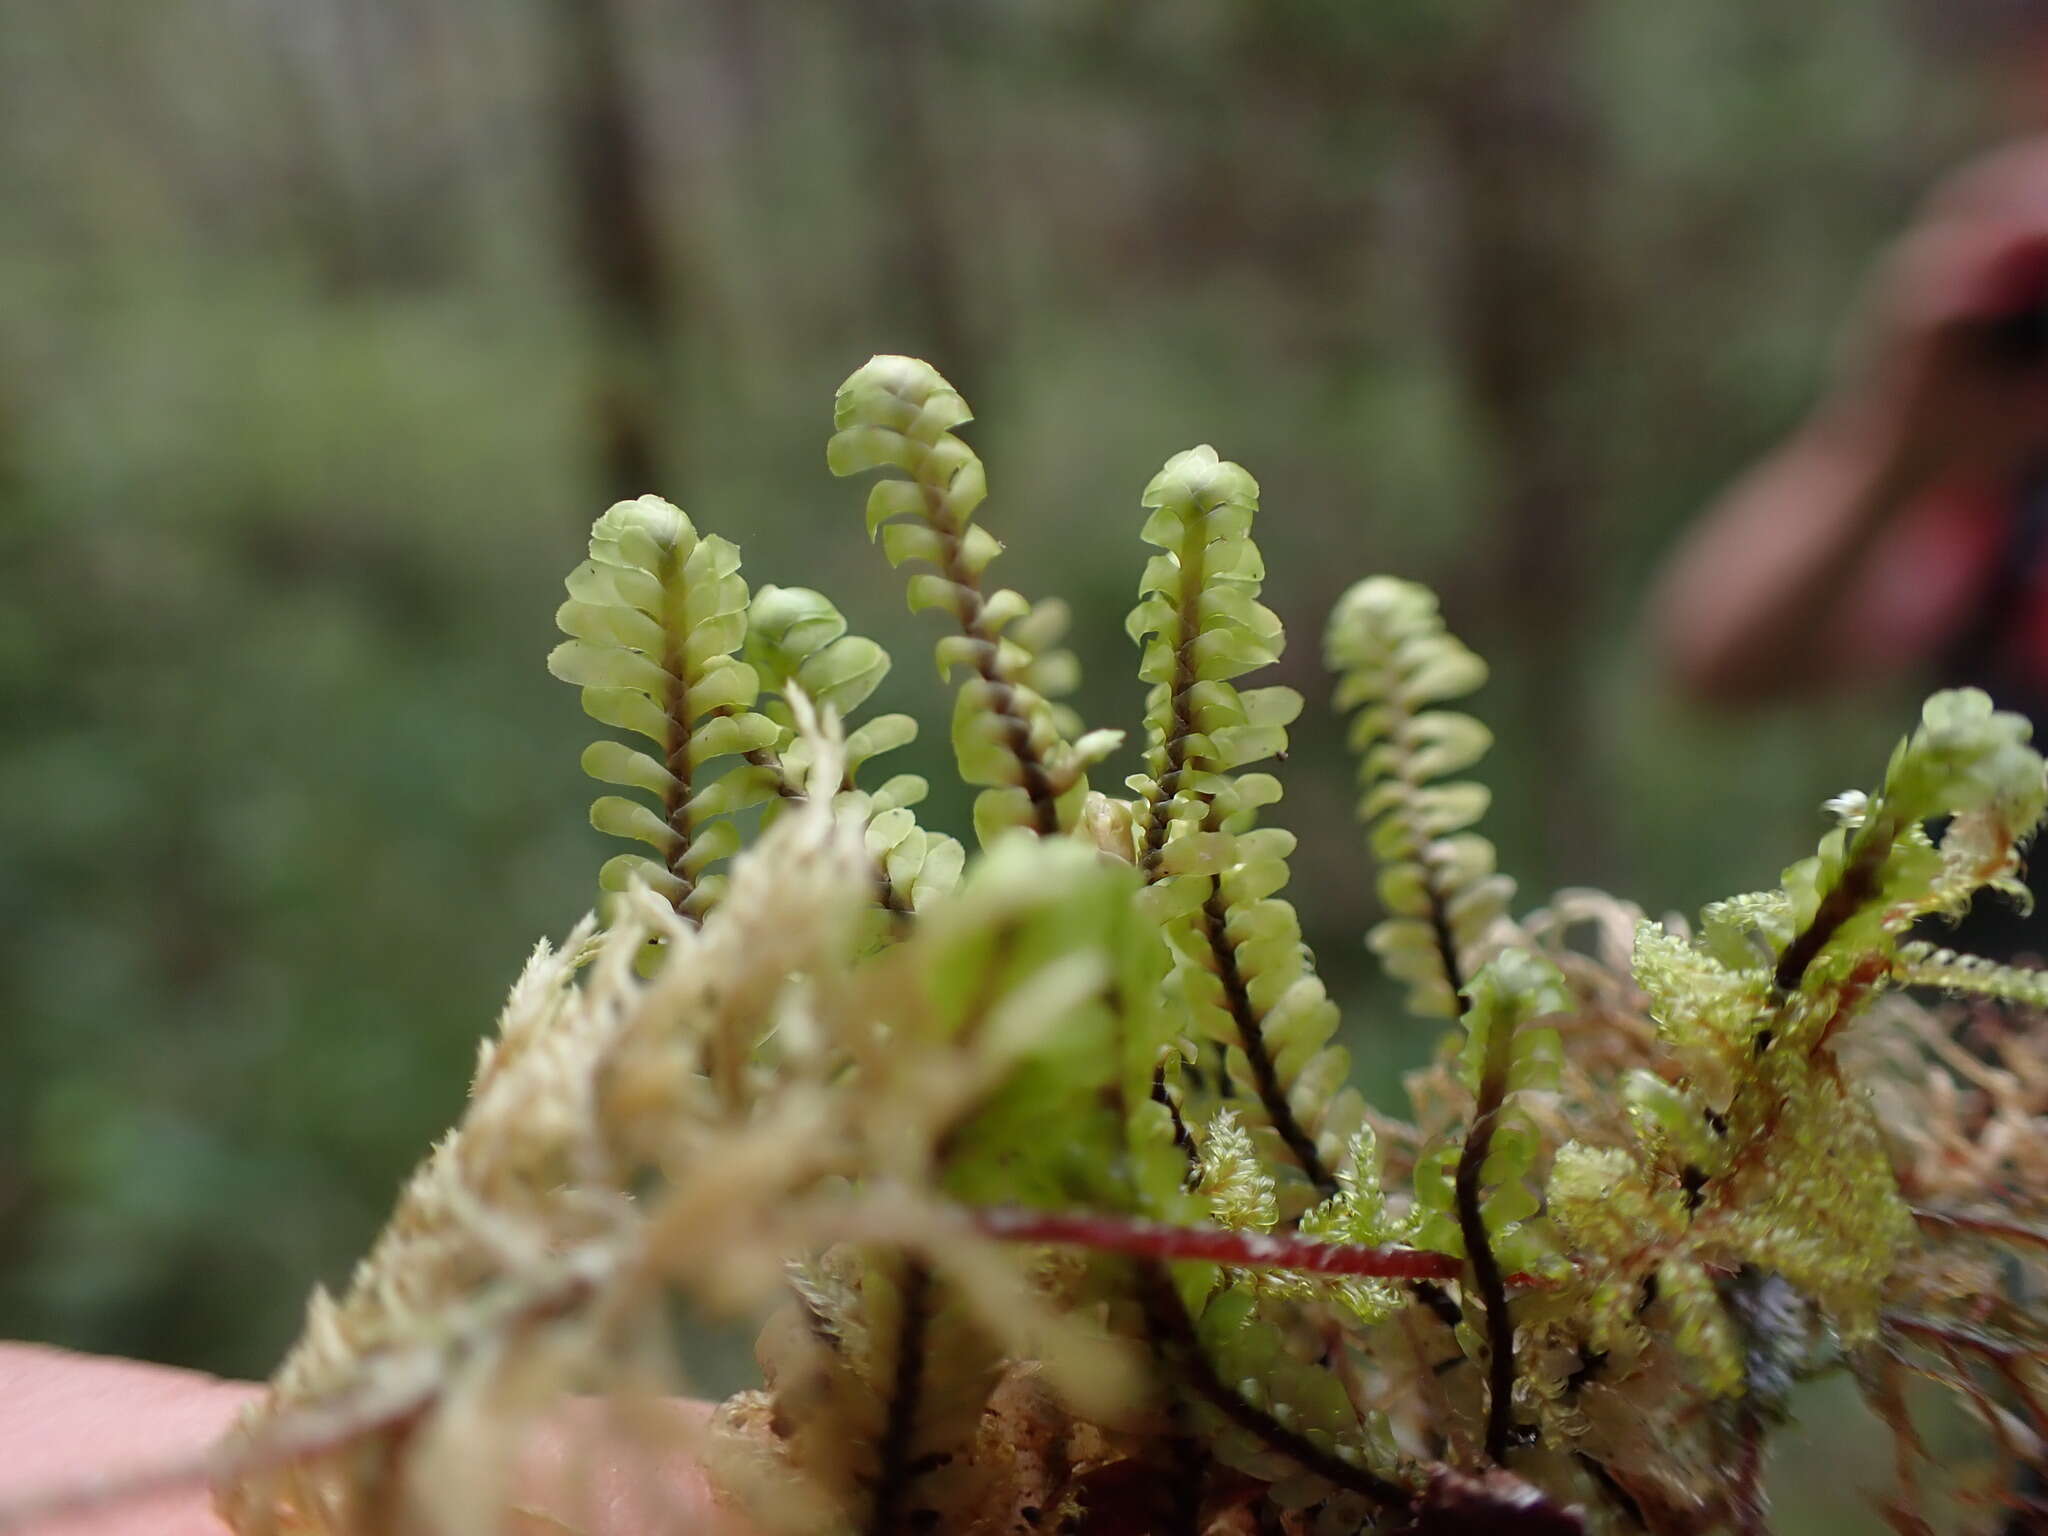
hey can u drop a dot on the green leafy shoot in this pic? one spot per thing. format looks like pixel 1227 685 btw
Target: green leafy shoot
pixel 898 413
pixel 1043 1164
pixel 798 643
pixel 1437 879
pixel 1475 1197
pixel 1241 983
pixel 656 617
pixel 1199 626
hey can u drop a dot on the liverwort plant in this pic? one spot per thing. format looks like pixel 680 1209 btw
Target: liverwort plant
pixel 1043 1165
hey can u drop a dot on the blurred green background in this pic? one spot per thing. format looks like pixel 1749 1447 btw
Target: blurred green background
pixel 327 325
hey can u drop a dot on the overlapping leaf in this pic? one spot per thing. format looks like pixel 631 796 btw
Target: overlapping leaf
pixel 797 640
pixel 899 413
pixel 1437 879
pixel 656 617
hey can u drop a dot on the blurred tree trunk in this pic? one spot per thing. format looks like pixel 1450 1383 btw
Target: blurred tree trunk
pixel 920 264
pixel 1525 309
pixel 615 247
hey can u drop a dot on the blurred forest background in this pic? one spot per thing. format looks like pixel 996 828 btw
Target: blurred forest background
pixel 326 326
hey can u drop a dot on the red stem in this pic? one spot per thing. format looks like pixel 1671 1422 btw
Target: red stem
pixel 1998 1228
pixel 1249 1250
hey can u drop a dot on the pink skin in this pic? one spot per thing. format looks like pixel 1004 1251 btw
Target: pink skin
pixel 72 1422
pixel 1855 551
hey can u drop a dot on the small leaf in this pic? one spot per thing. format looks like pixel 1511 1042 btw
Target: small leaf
pixel 613 762
pixel 884 733
pixel 619 817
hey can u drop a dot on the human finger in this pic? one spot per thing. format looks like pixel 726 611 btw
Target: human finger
pixel 106 1447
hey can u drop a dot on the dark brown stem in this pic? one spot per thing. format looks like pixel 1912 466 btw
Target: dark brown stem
pixel 895 1474
pixel 1746 1493
pixel 1937 1334
pixel 1188 612
pixel 890 899
pixel 2005 1357
pixel 1996 1228
pixel 2022 1391
pixel 1624 1502
pixel 769 762
pixel 1191 1468
pixel 1446 940
pixel 2028 1506
pixel 1251 1037
pixel 1168 1321
pixel 1181 1136
pixel 1185 1447
pixel 1884 1393
pixel 1002 693
pixel 1438 1302
pixel 1157 821
pixel 887 897
pixel 1432 1296
pixel 1487 1279
pixel 677 803
pixel 1857 886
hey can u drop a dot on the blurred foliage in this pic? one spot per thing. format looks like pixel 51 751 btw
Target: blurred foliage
pixel 312 339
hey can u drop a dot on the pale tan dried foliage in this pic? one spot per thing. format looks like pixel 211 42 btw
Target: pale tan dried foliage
pixel 656 1117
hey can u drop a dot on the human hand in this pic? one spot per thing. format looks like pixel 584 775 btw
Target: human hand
pixel 1951 367
pixel 75 1424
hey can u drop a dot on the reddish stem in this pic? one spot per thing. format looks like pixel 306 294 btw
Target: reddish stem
pixel 1249 1250
pixel 1998 1228
pixel 1993 1347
